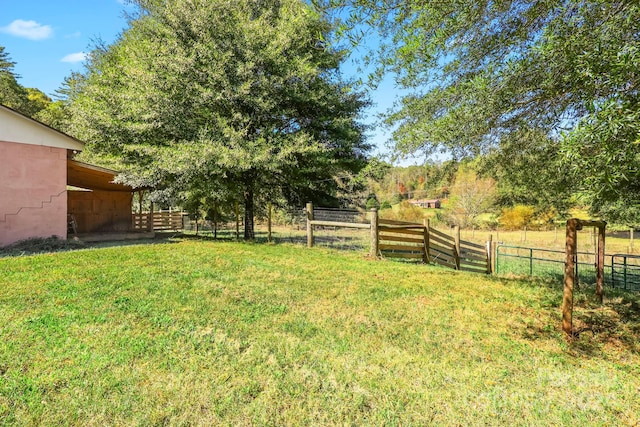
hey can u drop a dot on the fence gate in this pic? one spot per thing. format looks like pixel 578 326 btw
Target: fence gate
pixel 625 271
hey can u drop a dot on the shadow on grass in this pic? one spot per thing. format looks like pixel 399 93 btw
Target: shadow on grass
pixel 54 244
pixel 614 324
pixel 600 330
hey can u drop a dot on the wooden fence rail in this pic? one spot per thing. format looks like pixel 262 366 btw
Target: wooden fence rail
pixel 401 239
pixel 158 221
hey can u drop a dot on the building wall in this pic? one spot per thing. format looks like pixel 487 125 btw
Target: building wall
pixel 33 197
pixel 100 211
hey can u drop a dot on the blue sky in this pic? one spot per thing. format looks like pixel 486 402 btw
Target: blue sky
pixel 47 41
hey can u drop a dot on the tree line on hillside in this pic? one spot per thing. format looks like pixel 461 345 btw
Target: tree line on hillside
pixel 468 198
pixel 218 102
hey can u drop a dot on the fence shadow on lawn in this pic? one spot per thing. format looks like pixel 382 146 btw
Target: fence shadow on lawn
pixel 614 324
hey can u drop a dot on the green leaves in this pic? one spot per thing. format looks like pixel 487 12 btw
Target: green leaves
pixel 604 151
pixel 28 101
pixel 199 95
pixel 481 72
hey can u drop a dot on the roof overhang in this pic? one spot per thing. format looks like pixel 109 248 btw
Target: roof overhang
pixel 84 175
pixel 18 128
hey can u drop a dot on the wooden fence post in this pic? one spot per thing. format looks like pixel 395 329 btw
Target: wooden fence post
pixel 237 222
pixel 150 224
pixel 427 232
pixel 215 220
pixel 309 226
pixel 457 244
pixel 269 213
pixel 569 276
pixel 600 272
pixel 374 233
pixel 631 230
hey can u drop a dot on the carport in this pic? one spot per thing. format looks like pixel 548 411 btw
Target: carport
pixel 99 208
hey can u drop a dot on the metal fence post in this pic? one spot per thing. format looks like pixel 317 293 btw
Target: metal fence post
pixel 530 262
pixel 489 246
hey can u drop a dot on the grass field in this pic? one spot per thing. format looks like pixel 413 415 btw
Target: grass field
pixel 197 332
pixel 615 242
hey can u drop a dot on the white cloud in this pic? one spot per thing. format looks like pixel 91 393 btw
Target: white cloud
pixel 28 29
pixel 74 57
pixel 73 35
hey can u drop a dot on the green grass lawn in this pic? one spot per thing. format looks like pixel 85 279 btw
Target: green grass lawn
pixel 205 333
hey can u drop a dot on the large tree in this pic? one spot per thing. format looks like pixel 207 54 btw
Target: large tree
pixel 487 72
pixel 28 101
pixel 241 96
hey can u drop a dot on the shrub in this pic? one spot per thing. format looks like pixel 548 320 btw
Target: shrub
pixel 372 202
pixel 516 217
pixel 405 211
pixel 487 222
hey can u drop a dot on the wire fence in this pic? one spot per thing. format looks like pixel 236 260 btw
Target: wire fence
pixel 289 227
pixel 620 270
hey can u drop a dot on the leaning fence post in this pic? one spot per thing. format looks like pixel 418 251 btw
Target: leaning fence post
pixel 309 225
pixel 457 244
pixel 374 233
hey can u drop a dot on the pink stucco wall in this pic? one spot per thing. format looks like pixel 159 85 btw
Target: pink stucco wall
pixel 33 197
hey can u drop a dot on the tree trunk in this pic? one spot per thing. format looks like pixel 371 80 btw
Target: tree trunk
pixel 249 233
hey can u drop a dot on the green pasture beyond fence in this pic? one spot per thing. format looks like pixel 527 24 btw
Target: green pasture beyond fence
pixel 621 270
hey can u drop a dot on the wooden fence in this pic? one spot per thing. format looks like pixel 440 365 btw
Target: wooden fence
pixel 158 221
pixel 338 215
pixel 400 239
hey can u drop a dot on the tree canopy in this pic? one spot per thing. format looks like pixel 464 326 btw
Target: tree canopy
pixel 28 101
pixel 239 97
pixel 485 73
